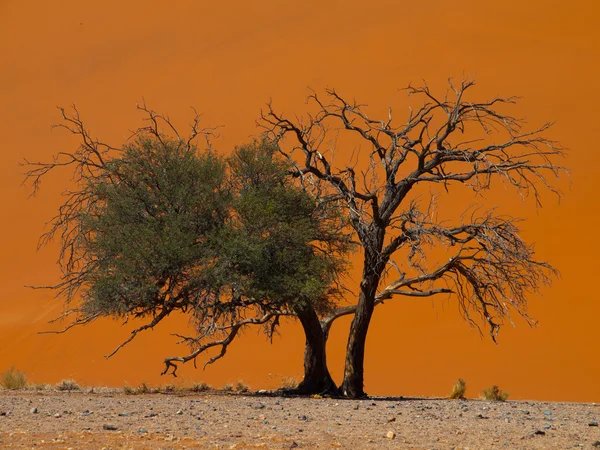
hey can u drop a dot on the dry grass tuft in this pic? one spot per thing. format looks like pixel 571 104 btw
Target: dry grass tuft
pixel 39 387
pixel 241 387
pixel 13 379
pixel 289 383
pixel 67 385
pixel 459 389
pixel 495 394
pixel 228 387
pixel 200 387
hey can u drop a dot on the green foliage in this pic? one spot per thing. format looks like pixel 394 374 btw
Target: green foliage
pixel 459 389
pixel 495 394
pixel 148 232
pixel 13 379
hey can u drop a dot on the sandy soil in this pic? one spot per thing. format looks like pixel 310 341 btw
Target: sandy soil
pixel 53 420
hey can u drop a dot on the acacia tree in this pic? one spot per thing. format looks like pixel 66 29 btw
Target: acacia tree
pixel 447 141
pixel 157 227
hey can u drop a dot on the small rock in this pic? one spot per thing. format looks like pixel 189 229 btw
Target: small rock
pixel 293 444
pixel 481 416
pixel 593 424
pixel 109 427
pixel 547 413
pixel 179 413
pixel 391 419
pixel 540 432
pixel 123 414
pixel 596 444
pixel 262 391
pixel 58 415
pixel 142 430
pixel 260 406
pixel 33 410
pixel 546 427
pixel 391 435
pixel 304 418
pixel 355 407
pixel 151 415
pixel 2 413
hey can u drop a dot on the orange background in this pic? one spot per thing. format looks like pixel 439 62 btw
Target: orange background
pixel 227 59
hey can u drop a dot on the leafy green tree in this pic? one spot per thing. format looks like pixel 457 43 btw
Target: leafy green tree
pixel 157 227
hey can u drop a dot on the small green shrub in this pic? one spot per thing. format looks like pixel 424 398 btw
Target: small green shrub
pixel 13 379
pixel 67 385
pixel 128 390
pixel 241 387
pixel 459 389
pixel 200 387
pixel 228 387
pixel 495 394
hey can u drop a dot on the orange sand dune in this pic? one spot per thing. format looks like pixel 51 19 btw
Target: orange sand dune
pixel 229 58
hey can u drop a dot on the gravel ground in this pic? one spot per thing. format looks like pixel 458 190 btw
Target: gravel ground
pixel 63 420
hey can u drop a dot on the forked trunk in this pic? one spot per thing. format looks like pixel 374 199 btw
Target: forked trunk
pixel 317 379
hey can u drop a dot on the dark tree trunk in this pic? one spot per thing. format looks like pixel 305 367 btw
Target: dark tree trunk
pixel 353 384
pixel 317 379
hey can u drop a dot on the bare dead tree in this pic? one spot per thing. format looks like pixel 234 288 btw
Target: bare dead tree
pixel 448 140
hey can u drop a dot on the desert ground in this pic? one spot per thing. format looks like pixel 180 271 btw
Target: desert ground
pixel 111 419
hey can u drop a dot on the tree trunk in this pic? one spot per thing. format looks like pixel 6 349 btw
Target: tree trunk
pixel 353 383
pixel 317 379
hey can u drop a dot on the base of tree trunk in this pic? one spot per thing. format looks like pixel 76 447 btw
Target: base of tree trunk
pixel 352 390
pixel 324 386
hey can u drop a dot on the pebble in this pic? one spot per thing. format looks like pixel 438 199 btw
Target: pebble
pixel 391 435
pixel 179 413
pixel 33 410
pixel 596 444
pixel 142 430
pixel 58 415
pixel 109 427
pixel 540 432
pixel 391 419
pixel 593 424
pixel 547 413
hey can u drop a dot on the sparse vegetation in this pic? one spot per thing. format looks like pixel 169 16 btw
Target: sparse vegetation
pixel 13 379
pixel 200 387
pixel 141 388
pixel 289 383
pixel 67 385
pixel 38 387
pixel 228 387
pixel 495 394
pixel 459 389
pixel 167 389
pixel 241 387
